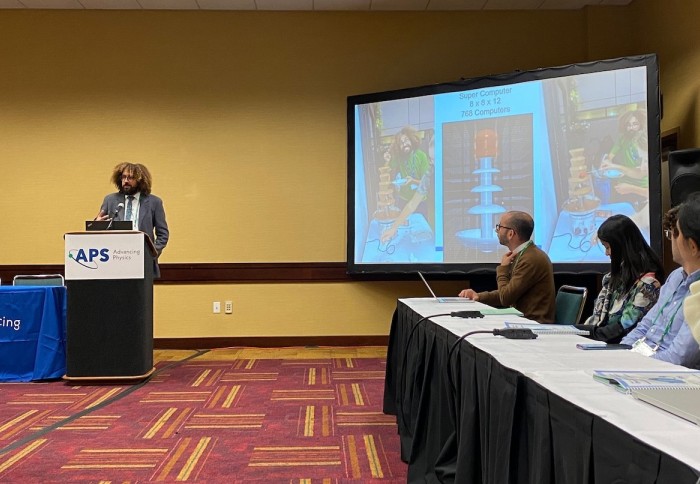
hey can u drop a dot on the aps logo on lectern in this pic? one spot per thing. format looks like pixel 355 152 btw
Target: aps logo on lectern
pixel 89 257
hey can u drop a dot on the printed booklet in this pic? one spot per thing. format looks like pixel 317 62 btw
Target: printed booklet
pixel 629 381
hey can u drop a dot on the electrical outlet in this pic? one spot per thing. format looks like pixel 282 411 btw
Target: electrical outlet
pixel 228 307
pixel 216 307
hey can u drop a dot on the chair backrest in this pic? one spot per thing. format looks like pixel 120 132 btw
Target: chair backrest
pixel 38 280
pixel 569 304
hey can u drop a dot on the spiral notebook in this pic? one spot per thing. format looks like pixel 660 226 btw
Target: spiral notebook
pixel 676 392
pixel 630 381
pixel 541 329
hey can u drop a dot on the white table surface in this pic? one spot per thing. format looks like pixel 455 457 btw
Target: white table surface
pixel 554 362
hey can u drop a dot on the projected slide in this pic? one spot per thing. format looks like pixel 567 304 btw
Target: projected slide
pixel 433 174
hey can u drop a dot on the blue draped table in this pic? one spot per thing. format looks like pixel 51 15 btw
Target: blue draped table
pixel 32 333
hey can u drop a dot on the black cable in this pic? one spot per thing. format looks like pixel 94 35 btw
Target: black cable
pixel 585 245
pixel 402 387
pixel 402 381
pixel 390 248
pixel 509 333
pixel 448 368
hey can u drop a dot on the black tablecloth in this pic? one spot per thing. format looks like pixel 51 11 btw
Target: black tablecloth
pixel 483 422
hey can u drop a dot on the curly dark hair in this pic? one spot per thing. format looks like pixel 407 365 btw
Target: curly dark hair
pixel 140 173
pixel 670 219
pixel 627 116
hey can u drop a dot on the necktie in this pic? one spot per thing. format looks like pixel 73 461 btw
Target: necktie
pixel 129 207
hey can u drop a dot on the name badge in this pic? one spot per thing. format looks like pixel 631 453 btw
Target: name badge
pixel 642 348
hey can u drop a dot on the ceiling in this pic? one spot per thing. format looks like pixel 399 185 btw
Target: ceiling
pixel 311 5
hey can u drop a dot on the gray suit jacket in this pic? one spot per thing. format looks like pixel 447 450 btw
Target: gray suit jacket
pixel 151 219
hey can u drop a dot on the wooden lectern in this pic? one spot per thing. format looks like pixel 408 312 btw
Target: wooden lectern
pixel 109 277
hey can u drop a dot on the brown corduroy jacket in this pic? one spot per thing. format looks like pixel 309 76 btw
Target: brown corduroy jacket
pixel 527 285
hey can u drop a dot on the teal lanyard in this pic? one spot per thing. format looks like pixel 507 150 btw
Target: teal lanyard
pixel 670 321
pixel 520 254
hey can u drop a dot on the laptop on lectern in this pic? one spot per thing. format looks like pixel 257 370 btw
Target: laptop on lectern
pixel 456 299
pixel 108 225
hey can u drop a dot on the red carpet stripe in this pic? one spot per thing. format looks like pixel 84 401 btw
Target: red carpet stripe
pixel 46 399
pixel 162 420
pixel 368 419
pixel 19 423
pixel 177 423
pixel 295 456
pixel 86 422
pixel 231 396
pixel 371 450
pixel 214 379
pixel 326 422
pixel 116 458
pixel 352 457
pixel 190 465
pixel 249 377
pixel 198 381
pixel 172 460
pixel 94 397
pixel 343 363
pixel 343 395
pixel 309 421
pixel 355 389
pixel 215 421
pixel 276 420
pixel 278 395
pixel 16 457
pixel 168 397
pixel 225 396
pixel 358 375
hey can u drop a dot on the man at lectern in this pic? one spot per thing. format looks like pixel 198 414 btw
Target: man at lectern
pixel 134 201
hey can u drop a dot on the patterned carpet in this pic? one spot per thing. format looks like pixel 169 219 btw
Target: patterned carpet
pixel 214 418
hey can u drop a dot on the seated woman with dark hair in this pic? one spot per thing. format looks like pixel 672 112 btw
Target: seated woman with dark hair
pixel 631 287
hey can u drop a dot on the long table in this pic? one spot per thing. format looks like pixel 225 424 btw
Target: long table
pixel 32 333
pixel 523 410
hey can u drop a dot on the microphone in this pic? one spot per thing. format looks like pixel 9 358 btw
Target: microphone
pixel 515 333
pixel 116 212
pixel 467 314
pixel 119 207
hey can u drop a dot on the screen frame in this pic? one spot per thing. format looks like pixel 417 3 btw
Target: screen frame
pixel 654 114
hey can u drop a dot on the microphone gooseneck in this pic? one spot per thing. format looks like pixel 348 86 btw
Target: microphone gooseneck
pixel 116 212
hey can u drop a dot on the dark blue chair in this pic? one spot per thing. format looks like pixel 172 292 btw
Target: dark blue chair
pixel 38 280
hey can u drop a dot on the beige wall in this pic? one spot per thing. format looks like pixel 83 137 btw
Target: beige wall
pixel 241 118
pixel 669 29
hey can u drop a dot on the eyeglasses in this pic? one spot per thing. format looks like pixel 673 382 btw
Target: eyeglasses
pixel 128 177
pixel 499 227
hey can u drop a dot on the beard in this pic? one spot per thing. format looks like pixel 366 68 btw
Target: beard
pixel 131 190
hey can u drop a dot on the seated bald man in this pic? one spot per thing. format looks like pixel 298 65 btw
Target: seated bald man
pixel 525 277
